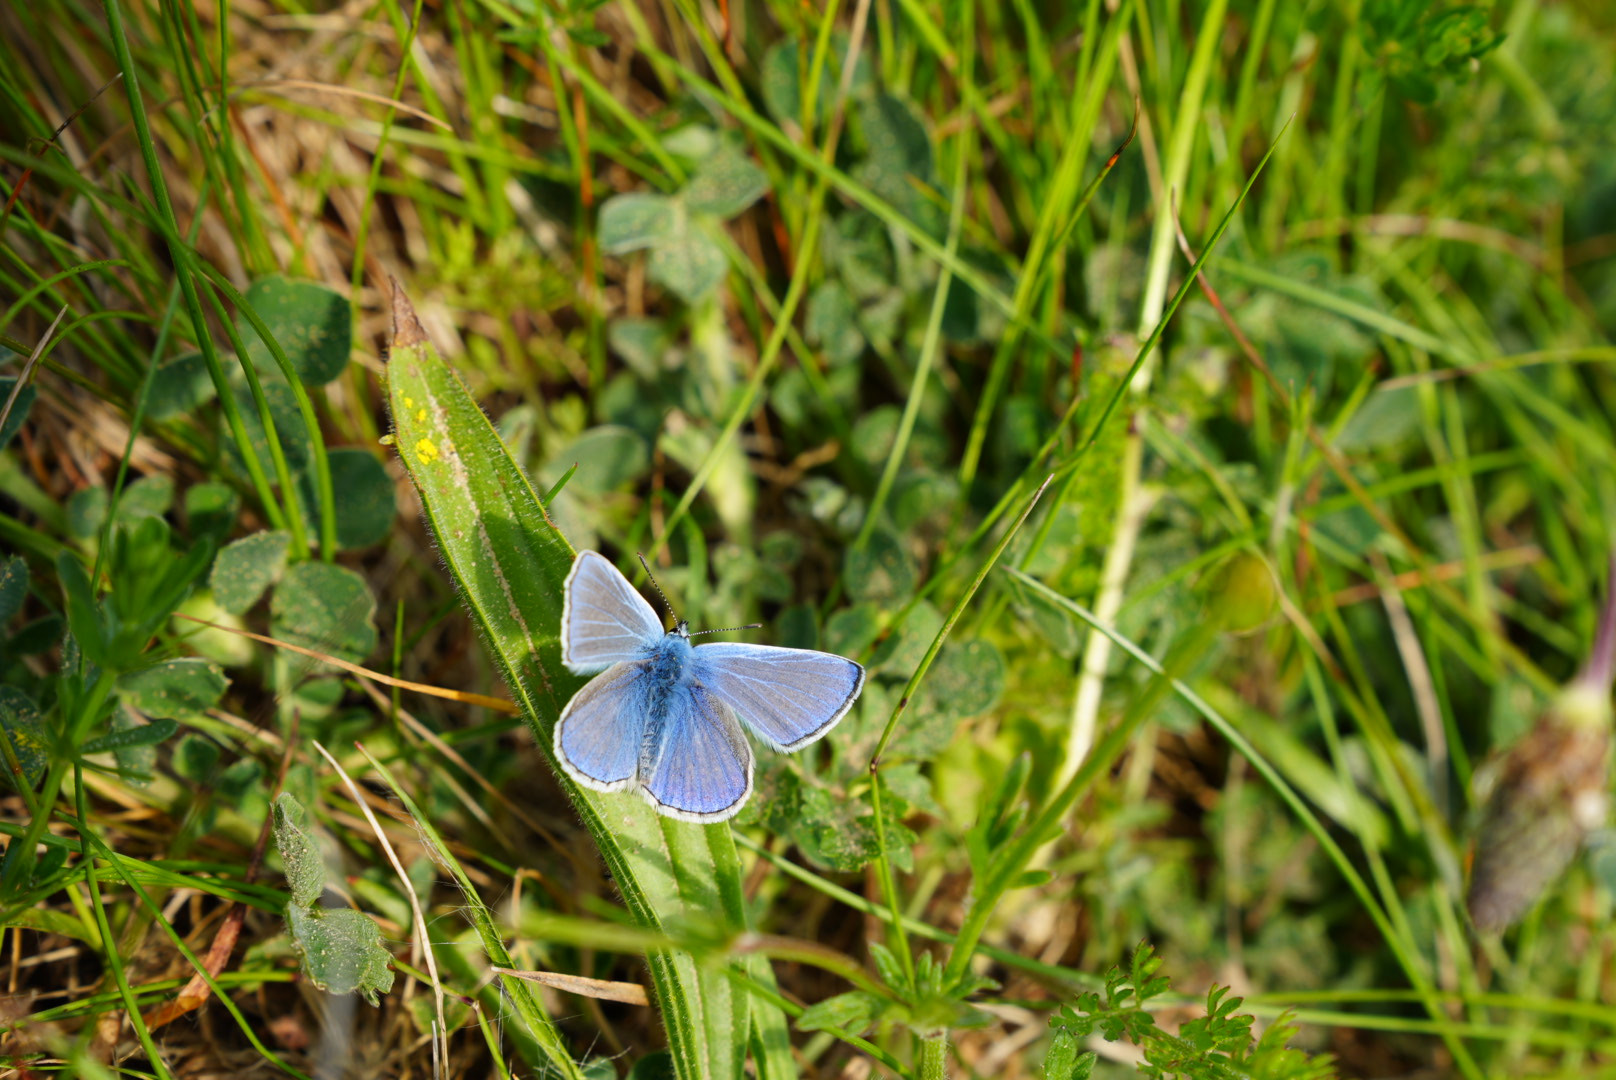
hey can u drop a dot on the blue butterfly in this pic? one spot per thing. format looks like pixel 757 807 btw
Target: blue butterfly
pixel 664 716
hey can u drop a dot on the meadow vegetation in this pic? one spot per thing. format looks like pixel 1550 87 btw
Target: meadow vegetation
pixel 1197 416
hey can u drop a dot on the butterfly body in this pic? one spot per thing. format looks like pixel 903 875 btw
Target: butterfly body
pixel 664 716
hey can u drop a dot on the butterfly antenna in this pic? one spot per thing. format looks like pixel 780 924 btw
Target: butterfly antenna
pixel 727 629
pixel 671 613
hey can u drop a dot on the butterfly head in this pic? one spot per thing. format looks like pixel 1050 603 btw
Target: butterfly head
pixel 682 628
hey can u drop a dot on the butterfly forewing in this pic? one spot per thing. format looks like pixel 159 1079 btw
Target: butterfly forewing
pixel 787 697
pixel 701 769
pixel 605 620
pixel 600 732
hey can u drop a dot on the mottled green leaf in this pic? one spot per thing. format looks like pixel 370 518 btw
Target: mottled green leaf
pixel 608 457
pixel 150 496
pixel 725 184
pixel 179 387
pixel 300 855
pixel 24 729
pixel 784 76
pixel 965 681
pixel 244 569
pixel 832 323
pixel 86 512
pixel 311 323
pixel 13 587
pixel 688 262
pixel 324 607
pixel 342 950
pixel 174 688
pixel 882 572
pixel 633 221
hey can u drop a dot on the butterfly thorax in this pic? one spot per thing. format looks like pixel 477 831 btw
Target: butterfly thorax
pixel 665 665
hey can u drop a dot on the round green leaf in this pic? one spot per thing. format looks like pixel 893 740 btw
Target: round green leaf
pixel 365 503
pixel 150 496
pixel 725 184
pixel 342 950
pixel 833 322
pixel 688 263
pixel 179 386
pixel 634 221
pixel 324 607
pixel 882 572
pixel 174 688
pixel 244 569
pixel 288 421
pixel 19 717
pixel 607 457
pixel 311 323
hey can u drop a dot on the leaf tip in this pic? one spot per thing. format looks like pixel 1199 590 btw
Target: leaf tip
pixel 407 329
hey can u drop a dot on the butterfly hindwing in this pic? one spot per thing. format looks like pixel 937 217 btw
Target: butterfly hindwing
pixel 600 732
pixel 701 769
pixel 787 697
pixel 604 620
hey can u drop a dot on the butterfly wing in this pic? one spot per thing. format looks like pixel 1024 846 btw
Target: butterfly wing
pixel 701 769
pixel 787 697
pixel 604 620
pixel 599 734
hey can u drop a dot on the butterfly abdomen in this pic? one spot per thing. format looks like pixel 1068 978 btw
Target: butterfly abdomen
pixel 665 672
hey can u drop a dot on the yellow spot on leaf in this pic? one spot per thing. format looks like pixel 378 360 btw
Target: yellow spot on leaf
pixel 427 451
pixel 409 403
pixel 386 440
pixel 420 416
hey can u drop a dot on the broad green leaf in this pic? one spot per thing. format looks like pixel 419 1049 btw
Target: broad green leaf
pixel 688 262
pixel 283 413
pixel 607 457
pixel 657 1065
pixel 210 509
pixel 725 184
pixel 965 681
pixel 150 496
pixel 882 571
pixel 179 387
pixel 342 950
pixel 19 717
pixel 196 758
pixel 51 921
pixel 833 323
pixel 311 322
pixel 300 855
pixel 174 688
pixel 785 73
pixel 86 512
pixel 1384 421
pixel 325 607
pixel 19 408
pixel 510 563
pixel 642 343
pixel 898 153
pixel 13 587
pixel 244 569
pixel 365 504
pixel 636 220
